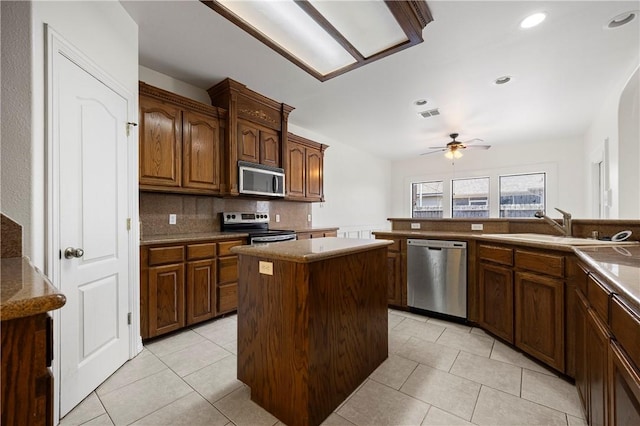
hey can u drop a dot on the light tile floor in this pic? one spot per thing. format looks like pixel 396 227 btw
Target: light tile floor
pixel 437 373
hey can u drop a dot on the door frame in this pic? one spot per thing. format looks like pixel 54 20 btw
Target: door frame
pixel 56 44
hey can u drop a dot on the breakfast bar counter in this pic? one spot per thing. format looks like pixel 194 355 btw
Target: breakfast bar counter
pixel 312 323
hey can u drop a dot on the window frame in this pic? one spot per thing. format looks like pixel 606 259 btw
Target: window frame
pixel 488 197
pixel 544 192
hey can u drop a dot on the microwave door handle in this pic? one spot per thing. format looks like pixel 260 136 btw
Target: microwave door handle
pixel 275 184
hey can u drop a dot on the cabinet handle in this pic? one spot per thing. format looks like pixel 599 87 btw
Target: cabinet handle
pixel 275 184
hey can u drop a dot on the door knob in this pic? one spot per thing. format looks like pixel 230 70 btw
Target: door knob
pixel 70 252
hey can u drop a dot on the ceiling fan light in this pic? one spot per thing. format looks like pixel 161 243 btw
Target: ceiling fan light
pixel 457 154
pixel 449 155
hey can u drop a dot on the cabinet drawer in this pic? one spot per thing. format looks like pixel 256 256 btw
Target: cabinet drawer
pixel 227 269
pixel 598 296
pixel 537 262
pixel 224 248
pixel 625 326
pixel 161 255
pixel 495 254
pixel 201 251
pixel 331 234
pixel 227 298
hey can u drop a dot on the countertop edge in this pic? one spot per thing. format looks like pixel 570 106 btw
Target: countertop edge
pixel 258 251
pixel 188 238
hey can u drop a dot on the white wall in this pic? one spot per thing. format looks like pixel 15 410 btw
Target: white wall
pixel 171 84
pixel 622 153
pixel 357 188
pixel 562 160
pixel 15 149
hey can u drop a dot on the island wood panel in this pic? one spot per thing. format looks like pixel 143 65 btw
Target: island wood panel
pixel 309 334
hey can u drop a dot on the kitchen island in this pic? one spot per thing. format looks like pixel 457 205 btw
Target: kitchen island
pixel 312 323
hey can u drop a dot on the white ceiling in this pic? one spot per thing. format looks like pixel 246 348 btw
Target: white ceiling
pixel 562 70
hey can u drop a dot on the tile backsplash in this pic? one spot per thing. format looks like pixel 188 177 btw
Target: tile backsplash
pixel 196 213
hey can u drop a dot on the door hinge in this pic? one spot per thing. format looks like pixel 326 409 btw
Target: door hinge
pixel 129 318
pixel 129 124
pixel 128 224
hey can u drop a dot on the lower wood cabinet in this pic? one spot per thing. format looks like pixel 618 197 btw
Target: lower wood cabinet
pixel 539 320
pixel 597 348
pixel 184 284
pixel 624 388
pixel 496 300
pixel 315 234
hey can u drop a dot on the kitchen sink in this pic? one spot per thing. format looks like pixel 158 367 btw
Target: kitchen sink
pixel 553 239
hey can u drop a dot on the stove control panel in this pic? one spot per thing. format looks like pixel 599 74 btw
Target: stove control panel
pixel 245 217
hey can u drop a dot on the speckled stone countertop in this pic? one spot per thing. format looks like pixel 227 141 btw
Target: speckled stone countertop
pixel 24 291
pixel 313 229
pixel 620 266
pixel 555 243
pixel 313 250
pixel 188 238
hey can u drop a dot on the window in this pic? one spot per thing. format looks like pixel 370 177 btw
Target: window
pixel 470 197
pixel 522 195
pixel 426 199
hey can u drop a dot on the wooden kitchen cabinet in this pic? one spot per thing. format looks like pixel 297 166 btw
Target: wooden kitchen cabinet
pixel 315 234
pixel 580 353
pixel 166 299
pixel 624 388
pixel 539 317
pixel 397 273
pixel 258 144
pixel 160 147
pixel 184 284
pixel 180 143
pixel 597 347
pixel 304 169
pixel 495 285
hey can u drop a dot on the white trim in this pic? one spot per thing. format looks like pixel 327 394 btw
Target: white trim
pixel 56 44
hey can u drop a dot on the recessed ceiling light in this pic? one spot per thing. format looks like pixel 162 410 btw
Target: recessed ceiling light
pixel 421 102
pixel 622 19
pixel 533 20
pixel 502 80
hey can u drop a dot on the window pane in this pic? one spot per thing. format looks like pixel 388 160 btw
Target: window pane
pixel 426 199
pixel 470 197
pixel 522 195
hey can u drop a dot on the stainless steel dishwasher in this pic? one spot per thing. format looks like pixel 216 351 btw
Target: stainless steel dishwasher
pixel 437 276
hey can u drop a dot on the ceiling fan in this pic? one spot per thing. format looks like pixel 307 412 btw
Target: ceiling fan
pixel 454 148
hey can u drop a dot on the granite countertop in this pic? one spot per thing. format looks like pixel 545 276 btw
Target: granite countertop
pixel 187 238
pixel 313 250
pixel 25 291
pixel 620 266
pixel 314 229
pixel 542 241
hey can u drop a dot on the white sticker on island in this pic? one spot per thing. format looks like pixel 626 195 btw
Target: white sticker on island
pixel 415 226
pixel 265 268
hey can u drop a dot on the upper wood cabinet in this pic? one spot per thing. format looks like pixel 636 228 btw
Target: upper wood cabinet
pixel 180 143
pixel 304 169
pixel 258 144
pixel 256 128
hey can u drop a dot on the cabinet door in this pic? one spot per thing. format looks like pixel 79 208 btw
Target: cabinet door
pixel 201 290
pixel 201 151
pixel 394 278
pixel 597 338
pixel 581 348
pixel 314 174
pixel 624 388
pixel 160 143
pixel 496 300
pixel 166 299
pixel 269 148
pixel 227 284
pixel 248 143
pixel 539 308
pixel 296 176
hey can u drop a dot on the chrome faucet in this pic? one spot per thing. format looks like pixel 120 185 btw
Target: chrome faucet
pixel 565 228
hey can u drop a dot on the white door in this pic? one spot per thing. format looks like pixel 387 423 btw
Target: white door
pixel 92 151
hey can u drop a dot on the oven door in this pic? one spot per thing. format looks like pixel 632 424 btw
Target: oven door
pixel 271 238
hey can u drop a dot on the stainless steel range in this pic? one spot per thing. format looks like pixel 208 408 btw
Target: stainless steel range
pixel 256 224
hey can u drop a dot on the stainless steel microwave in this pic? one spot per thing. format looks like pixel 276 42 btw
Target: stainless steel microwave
pixel 257 179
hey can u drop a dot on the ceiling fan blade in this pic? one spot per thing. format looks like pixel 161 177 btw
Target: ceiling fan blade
pixel 438 147
pixel 434 152
pixel 479 146
pixel 473 140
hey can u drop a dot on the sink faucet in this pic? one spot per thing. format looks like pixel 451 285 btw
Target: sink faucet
pixel 565 228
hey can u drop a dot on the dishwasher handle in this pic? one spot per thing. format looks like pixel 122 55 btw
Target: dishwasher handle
pixel 438 244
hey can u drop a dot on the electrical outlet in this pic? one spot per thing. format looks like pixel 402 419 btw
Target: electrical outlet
pixel 172 219
pixel 277 218
pixel 308 218
pixel 415 226
pixel 477 227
